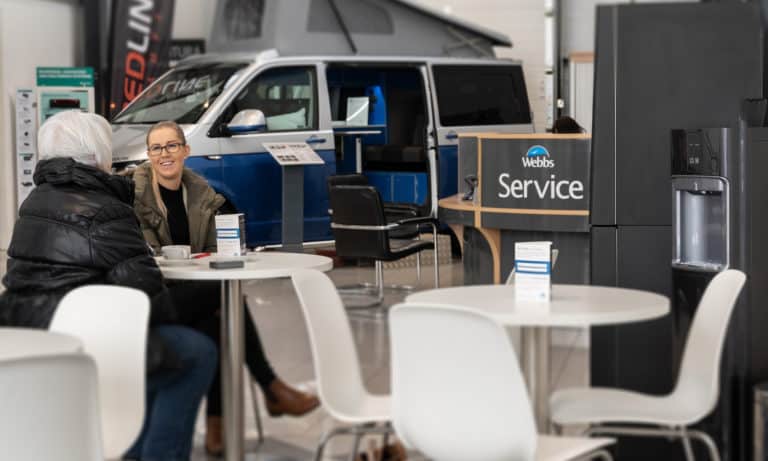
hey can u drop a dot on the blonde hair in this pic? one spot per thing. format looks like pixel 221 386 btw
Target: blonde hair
pixel 155 184
pixel 167 124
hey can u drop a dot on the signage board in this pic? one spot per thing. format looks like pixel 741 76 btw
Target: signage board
pixel 538 180
pixel 293 153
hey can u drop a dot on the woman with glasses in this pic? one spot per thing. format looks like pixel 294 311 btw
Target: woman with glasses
pixel 175 206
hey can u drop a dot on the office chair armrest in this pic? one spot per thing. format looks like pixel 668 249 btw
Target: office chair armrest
pixel 419 220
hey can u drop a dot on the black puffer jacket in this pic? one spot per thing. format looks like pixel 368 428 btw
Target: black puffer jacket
pixel 77 227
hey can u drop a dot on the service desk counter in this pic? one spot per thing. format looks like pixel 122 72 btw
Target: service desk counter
pixel 530 187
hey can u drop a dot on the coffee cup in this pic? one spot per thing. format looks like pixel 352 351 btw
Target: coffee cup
pixel 177 251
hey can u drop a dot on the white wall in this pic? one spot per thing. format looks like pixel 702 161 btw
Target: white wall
pixel 32 33
pixel 193 19
pixel 520 20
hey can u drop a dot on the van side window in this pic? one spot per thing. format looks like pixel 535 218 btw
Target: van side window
pixel 287 96
pixel 481 95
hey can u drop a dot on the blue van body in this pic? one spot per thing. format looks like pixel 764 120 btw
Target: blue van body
pixel 413 110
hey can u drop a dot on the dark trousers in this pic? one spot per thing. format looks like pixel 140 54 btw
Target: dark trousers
pixel 198 304
pixel 174 395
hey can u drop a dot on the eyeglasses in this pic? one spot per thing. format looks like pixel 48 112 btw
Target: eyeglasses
pixel 171 148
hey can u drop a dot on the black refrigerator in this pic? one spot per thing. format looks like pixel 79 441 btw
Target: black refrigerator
pixel 658 67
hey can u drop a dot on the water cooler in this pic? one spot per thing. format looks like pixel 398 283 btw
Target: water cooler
pixel 720 221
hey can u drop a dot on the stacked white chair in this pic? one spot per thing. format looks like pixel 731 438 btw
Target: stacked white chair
pixel 50 409
pixel 112 322
pixel 458 394
pixel 337 368
pixel 694 396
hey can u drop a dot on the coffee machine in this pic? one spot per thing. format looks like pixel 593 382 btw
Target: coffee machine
pixel 720 221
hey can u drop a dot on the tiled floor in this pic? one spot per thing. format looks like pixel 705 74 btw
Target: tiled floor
pixel 278 316
pixel 277 313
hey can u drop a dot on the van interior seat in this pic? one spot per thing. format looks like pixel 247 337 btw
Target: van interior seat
pixel 392 157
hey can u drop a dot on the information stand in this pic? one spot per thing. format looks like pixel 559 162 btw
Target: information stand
pixel 292 157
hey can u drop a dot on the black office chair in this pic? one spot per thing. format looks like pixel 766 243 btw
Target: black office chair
pixel 362 231
pixel 393 212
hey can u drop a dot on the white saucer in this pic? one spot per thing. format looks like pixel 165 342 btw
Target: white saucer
pixel 175 262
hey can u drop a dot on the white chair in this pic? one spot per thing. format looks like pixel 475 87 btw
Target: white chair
pixel 112 322
pixel 694 396
pixel 458 394
pixel 50 409
pixel 337 368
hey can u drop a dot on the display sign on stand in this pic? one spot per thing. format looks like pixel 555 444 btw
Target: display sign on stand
pixel 293 156
pixel 26 143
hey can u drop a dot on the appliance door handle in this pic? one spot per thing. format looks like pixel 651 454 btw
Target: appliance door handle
pixel 213 157
pixel 315 140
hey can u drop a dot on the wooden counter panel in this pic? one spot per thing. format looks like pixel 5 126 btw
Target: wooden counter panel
pixel 526 135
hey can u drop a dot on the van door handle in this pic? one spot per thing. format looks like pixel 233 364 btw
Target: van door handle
pixel 451 135
pixel 213 157
pixel 315 140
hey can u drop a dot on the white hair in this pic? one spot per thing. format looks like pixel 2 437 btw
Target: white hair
pixel 82 136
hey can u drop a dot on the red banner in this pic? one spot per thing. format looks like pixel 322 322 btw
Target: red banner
pixel 141 34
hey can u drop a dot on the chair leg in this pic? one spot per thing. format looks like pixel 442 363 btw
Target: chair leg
pixel 384 442
pixel 703 437
pixel 437 266
pixel 681 433
pixel 687 447
pixel 380 281
pixel 373 291
pixel 418 261
pixel 256 412
pixel 327 437
pixel 355 446
pixel 604 455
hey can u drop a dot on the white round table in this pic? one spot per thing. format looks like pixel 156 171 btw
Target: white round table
pixel 18 343
pixel 261 265
pixel 570 306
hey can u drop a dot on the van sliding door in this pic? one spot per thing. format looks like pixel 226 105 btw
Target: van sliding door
pixel 475 97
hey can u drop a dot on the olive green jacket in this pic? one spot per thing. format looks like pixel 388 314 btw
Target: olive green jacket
pixel 201 201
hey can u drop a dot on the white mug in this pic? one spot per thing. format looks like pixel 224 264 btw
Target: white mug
pixel 177 251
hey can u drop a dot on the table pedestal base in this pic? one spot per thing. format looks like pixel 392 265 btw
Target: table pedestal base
pixel 535 365
pixel 232 355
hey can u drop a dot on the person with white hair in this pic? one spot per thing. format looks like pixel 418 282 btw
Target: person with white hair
pixel 78 227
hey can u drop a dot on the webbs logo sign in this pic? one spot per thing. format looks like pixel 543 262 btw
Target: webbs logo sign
pixel 537 157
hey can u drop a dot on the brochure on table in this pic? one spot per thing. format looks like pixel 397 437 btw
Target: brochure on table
pixel 533 271
pixel 230 234
pixel 293 153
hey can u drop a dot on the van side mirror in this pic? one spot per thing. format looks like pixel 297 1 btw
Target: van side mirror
pixel 247 121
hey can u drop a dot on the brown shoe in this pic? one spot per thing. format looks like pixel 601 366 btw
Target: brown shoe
pixel 285 400
pixel 214 444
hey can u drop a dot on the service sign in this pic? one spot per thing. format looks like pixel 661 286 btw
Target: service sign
pixel 541 176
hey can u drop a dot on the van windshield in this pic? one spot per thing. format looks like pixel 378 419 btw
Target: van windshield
pixel 182 95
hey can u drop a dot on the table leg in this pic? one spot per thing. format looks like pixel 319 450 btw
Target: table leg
pixel 535 365
pixel 232 354
pixel 358 155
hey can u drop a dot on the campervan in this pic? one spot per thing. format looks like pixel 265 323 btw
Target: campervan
pixel 394 119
